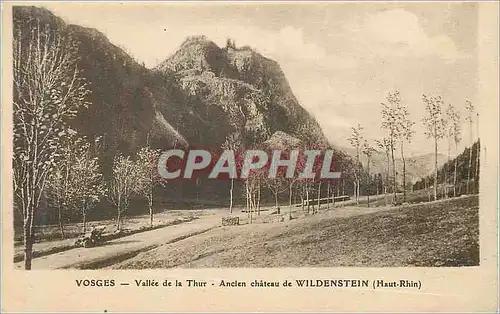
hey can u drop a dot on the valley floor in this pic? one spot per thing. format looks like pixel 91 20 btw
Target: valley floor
pixel 441 233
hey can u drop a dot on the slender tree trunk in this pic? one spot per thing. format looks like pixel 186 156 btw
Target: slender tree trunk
pixel 258 201
pixel 319 195
pixel 307 198
pixel 455 171
pixel 385 195
pixel 28 240
pixel 477 154
pixel 470 157
pixel 118 218
pixel 335 186
pixel 477 165
pixel 446 168
pixel 150 205
pixel 328 195
pixel 428 189
pixel 84 218
pixel 444 189
pixel 435 167
pixel 302 201
pixel 355 188
pixel 404 171
pixel 65 191
pixel 358 189
pixel 247 198
pixel 469 169
pixel 394 187
pixel 119 225
pixel 252 205
pixel 61 226
pixel 358 173
pixel 368 193
pixel 276 200
pixel 386 186
pixel 231 197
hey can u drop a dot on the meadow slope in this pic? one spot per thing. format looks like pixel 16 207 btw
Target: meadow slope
pixel 442 233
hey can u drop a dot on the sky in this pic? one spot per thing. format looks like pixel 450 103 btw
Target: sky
pixel 341 59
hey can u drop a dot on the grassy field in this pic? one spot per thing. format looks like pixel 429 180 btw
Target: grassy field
pixel 442 233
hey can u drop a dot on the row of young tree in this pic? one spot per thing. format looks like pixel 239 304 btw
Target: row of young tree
pixel 440 123
pixel 310 191
pixel 75 183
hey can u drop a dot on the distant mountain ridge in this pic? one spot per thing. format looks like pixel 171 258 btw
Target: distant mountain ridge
pixel 417 167
pixel 250 91
pixel 446 172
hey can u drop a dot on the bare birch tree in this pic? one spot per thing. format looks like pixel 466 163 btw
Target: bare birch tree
pixel 86 187
pixel 73 177
pixel 147 164
pixel 57 192
pixel 59 177
pixel 454 130
pixel 233 142
pixel 476 175
pixel 405 134
pixel 277 185
pixel 385 146
pixel 469 107
pixel 356 140
pixel 48 91
pixel 368 151
pixel 317 165
pixel 122 185
pixel 253 190
pixel 390 123
pixel 434 124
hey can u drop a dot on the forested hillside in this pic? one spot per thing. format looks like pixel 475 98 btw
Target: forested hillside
pixel 198 97
pixel 466 168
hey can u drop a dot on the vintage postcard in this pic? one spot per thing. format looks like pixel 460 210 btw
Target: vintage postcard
pixel 250 156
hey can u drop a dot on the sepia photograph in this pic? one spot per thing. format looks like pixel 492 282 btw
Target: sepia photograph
pixel 271 136
pixel 100 94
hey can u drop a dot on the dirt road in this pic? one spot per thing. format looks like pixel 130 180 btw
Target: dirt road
pixel 123 248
